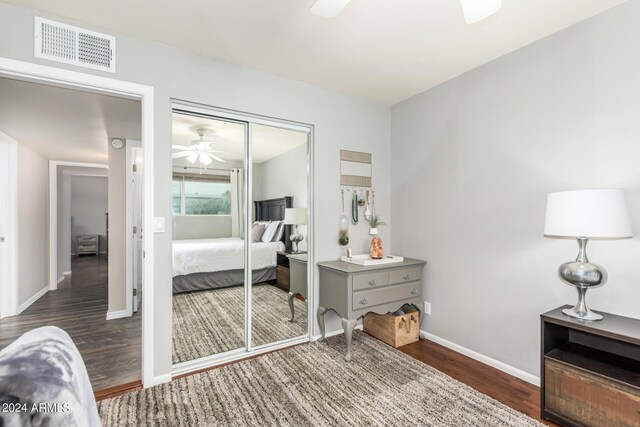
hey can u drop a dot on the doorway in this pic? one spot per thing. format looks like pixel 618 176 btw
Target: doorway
pixel 88 246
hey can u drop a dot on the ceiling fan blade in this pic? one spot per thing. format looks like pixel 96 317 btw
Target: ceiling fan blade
pixel 477 10
pixel 328 8
pixel 181 154
pixel 205 159
pixel 192 157
pixel 214 157
pixel 180 147
pixel 203 145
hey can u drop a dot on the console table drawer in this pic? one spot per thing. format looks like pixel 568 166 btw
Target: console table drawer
pixel 364 299
pixel 370 281
pixel 406 275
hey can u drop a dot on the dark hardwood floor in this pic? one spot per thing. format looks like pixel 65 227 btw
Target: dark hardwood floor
pixel 509 390
pixel 111 349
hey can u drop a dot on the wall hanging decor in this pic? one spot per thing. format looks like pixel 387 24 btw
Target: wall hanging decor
pixel 343 224
pixel 355 169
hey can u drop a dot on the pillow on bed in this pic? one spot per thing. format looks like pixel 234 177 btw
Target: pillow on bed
pixel 269 232
pixel 278 236
pixel 256 232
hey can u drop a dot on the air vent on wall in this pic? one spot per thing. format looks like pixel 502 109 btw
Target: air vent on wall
pixel 72 45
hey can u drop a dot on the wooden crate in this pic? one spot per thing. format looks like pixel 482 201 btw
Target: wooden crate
pixel 393 330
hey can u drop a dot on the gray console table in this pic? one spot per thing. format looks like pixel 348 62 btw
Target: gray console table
pixel 352 291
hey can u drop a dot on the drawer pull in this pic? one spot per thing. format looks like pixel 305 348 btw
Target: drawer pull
pixel 414 291
pixel 406 277
pixel 372 282
pixel 364 301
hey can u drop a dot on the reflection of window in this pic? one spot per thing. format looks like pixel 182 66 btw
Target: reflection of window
pixel 201 196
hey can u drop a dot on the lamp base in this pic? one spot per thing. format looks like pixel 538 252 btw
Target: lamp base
pixel 582 315
pixel 583 275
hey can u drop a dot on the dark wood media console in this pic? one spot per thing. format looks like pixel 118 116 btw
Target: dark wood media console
pixel 590 371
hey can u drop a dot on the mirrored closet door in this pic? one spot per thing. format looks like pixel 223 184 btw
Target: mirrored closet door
pixel 280 198
pixel 208 230
pixel 240 198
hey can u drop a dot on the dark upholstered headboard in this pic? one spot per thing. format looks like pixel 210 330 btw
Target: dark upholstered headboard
pixel 273 210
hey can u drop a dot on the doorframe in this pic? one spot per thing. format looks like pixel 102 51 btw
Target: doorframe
pixel 129 222
pixel 42 74
pixel 8 284
pixel 53 214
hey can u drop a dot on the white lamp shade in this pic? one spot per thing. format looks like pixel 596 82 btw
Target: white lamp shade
pixel 295 216
pixel 477 10
pixel 596 214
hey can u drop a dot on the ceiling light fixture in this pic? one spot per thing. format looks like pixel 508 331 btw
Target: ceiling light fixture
pixel 200 151
pixel 477 10
pixel 328 8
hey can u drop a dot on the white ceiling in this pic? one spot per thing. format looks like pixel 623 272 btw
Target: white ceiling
pixel 228 138
pixel 385 50
pixel 64 124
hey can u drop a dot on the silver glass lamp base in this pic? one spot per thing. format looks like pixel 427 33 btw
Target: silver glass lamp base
pixel 295 238
pixel 583 275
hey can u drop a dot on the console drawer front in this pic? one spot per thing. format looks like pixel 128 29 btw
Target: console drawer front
pixel 371 298
pixel 406 275
pixel 368 281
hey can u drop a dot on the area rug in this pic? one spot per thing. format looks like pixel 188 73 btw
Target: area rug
pixel 212 322
pixel 312 385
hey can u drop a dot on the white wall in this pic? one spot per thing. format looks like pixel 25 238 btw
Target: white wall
pixel 33 217
pixel 89 203
pixel 63 218
pixel 286 175
pixel 201 226
pixel 473 159
pixel 341 121
pixel 117 205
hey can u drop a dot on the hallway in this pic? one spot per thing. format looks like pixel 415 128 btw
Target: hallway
pixel 111 349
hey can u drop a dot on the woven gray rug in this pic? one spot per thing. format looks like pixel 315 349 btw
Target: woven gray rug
pixel 312 385
pixel 211 322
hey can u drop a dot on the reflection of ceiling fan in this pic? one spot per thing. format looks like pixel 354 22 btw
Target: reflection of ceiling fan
pixel 474 10
pixel 199 150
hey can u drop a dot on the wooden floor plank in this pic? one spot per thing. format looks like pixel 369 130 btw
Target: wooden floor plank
pixel 112 350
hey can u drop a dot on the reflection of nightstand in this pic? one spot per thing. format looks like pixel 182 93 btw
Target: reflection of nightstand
pixel 282 269
pixel 297 278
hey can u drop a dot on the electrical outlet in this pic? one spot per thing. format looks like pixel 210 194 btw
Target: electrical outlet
pixel 427 307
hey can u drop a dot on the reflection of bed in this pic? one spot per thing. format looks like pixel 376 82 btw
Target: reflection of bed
pixel 202 264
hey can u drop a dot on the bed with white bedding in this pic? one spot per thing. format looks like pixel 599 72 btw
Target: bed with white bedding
pixel 202 264
pixel 194 260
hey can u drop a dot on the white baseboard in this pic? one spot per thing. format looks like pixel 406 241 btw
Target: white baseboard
pixel 118 314
pixel 160 379
pixel 60 280
pixel 22 307
pixel 482 358
pixel 66 273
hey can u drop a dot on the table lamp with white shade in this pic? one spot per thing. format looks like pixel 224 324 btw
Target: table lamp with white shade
pixel 295 217
pixel 584 215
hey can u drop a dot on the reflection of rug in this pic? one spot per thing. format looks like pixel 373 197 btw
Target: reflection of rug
pixel 312 385
pixel 211 322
